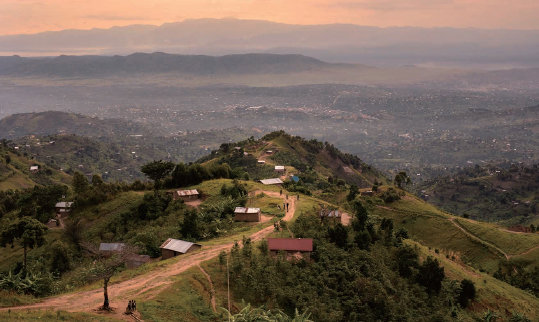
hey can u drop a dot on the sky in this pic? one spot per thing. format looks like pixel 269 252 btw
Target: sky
pixel 32 16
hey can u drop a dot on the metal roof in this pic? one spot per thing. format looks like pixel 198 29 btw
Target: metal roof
pixel 291 244
pixel 64 204
pixel 180 246
pixel 111 247
pixel 279 167
pixel 272 181
pixel 191 192
pixel 243 210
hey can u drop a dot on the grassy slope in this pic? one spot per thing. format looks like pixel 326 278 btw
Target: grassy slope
pixel 434 228
pixel 16 174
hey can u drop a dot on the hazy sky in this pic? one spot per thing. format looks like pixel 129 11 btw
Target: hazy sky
pixel 30 16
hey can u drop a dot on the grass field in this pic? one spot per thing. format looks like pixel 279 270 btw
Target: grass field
pixel 433 228
pixel 492 293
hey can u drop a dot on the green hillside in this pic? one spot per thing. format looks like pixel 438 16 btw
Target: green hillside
pixel 15 171
pixel 397 259
pixel 507 194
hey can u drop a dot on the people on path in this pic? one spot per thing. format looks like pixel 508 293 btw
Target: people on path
pixel 281 192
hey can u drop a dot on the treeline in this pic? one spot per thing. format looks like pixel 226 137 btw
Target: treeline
pixel 364 272
pixel 170 175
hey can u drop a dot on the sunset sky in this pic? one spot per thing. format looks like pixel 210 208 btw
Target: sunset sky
pixel 31 16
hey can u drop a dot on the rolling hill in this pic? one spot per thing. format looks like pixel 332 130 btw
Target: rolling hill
pixel 505 193
pixel 15 171
pixel 190 283
pixel 54 122
pixel 161 63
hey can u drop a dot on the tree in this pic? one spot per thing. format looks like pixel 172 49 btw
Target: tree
pixel 157 171
pixel 353 192
pixel 402 178
pixel 29 232
pixel 431 275
pixel 358 224
pixel 80 183
pixel 467 292
pixel 407 260
pixel 105 265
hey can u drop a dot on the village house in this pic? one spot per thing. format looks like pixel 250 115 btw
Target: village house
pixel 279 168
pixel 271 181
pixel 261 162
pixel 293 248
pixel 34 169
pixel 174 247
pixel 367 193
pixel 247 214
pixel 331 215
pixel 63 208
pixel 185 195
pixel 269 151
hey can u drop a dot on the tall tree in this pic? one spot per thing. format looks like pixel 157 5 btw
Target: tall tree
pixel 27 231
pixel 157 171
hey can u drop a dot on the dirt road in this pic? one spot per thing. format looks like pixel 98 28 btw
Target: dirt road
pixel 146 285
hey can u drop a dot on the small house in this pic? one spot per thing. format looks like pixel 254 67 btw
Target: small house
pixel 269 151
pixel 367 193
pixel 331 215
pixel 293 248
pixel 185 195
pixel 110 248
pixel 247 214
pixel 271 181
pixel 174 247
pixel 262 162
pixel 279 168
pixel 34 169
pixel 63 208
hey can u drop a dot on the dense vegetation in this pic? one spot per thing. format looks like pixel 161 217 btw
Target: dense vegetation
pixel 490 193
pixel 363 272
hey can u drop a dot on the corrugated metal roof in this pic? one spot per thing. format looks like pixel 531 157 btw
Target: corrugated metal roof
pixel 279 167
pixel 185 193
pixel 180 246
pixel 64 204
pixel 243 210
pixel 333 213
pixel 111 247
pixel 291 244
pixel 272 181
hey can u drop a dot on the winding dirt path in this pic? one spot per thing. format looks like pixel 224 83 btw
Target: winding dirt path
pixel 147 285
pixel 474 237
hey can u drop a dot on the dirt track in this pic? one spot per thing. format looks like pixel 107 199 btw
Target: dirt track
pixel 147 285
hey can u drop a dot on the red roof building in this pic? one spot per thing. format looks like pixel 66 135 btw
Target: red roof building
pixel 294 248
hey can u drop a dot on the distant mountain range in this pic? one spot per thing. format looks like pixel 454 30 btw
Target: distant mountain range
pixel 161 63
pixel 333 42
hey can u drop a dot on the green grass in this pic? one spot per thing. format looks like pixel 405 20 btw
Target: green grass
pixel 185 300
pixel 511 243
pixel 492 293
pixel 8 298
pixel 49 315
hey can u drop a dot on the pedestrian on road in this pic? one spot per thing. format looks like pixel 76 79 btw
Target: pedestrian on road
pixel 281 192
pixel 298 197
pixel 287 206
